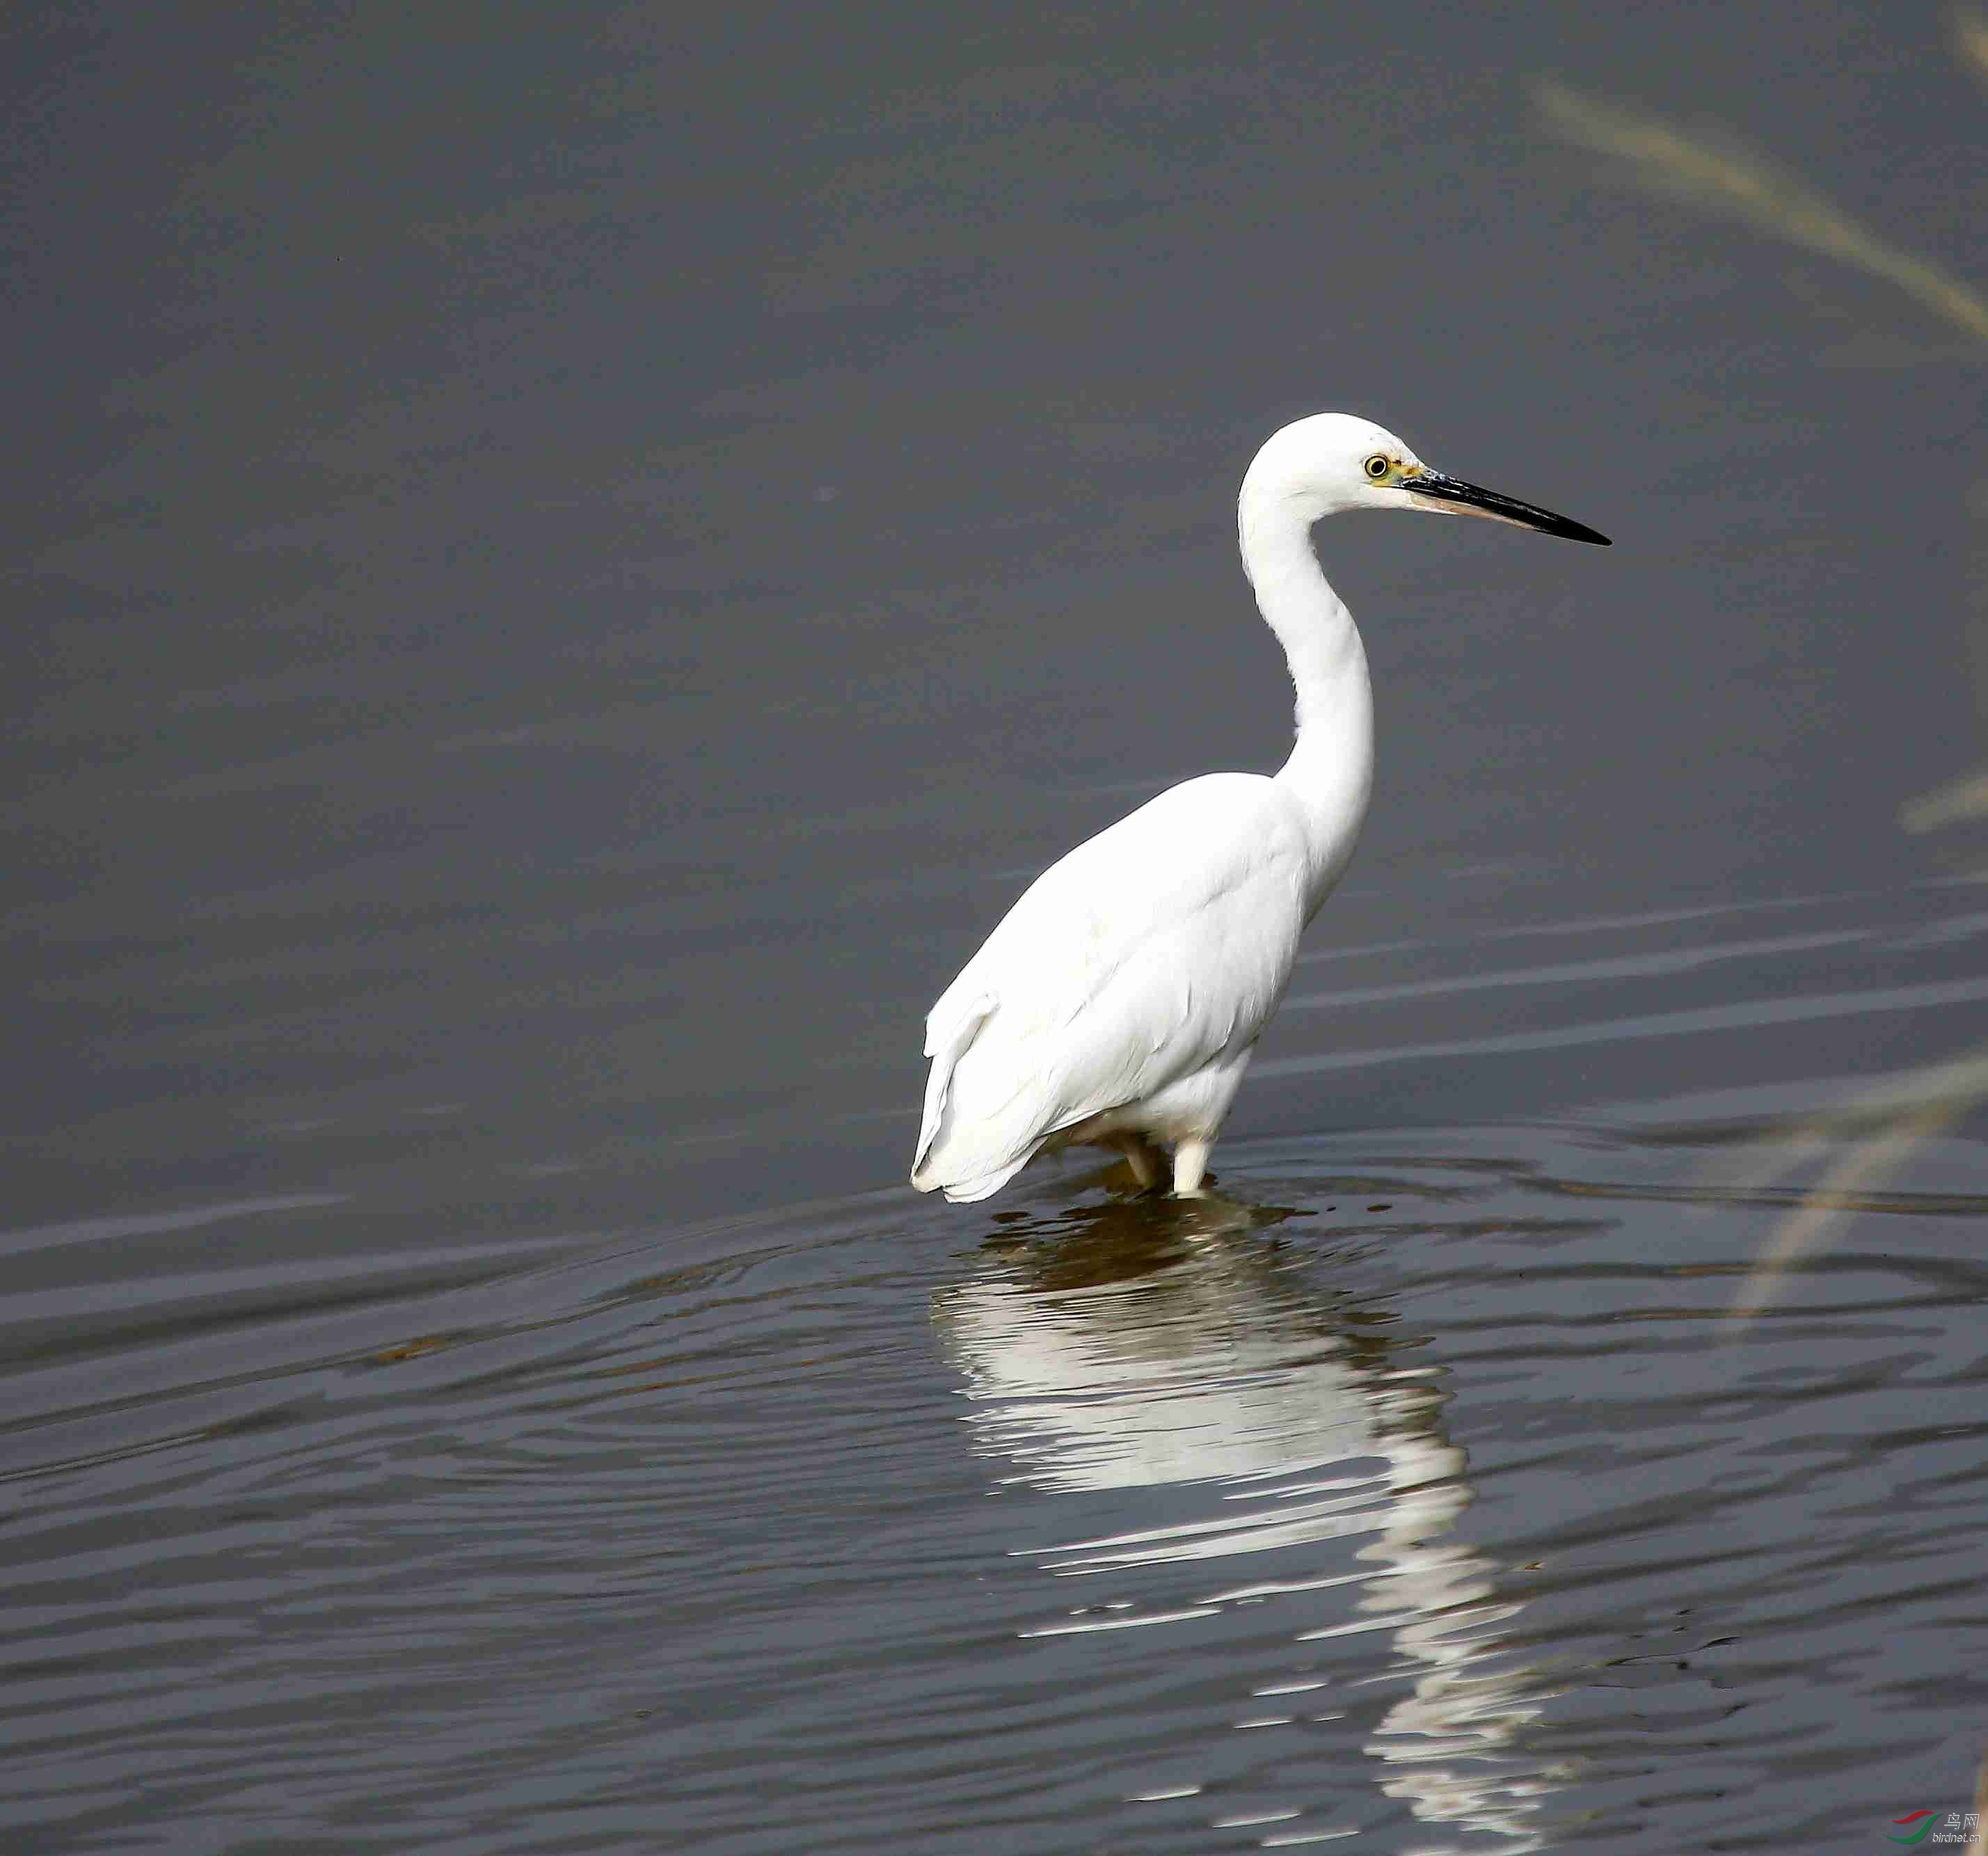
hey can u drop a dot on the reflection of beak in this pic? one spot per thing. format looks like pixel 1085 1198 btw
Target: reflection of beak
pixel 1455 497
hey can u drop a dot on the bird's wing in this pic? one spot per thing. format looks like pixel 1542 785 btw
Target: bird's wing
pixel 1151 948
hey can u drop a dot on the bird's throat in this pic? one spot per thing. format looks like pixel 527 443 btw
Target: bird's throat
pixel 1330 770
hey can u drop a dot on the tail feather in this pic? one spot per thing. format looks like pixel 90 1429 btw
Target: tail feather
pixel 946 1043
pixel 967 1192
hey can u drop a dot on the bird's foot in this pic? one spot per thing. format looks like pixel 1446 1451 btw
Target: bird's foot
pixel 1146 1163
pixel 1190 1167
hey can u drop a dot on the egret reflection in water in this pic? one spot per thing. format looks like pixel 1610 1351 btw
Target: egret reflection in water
pixel 1137 1344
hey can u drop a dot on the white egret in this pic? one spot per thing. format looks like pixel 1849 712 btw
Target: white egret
pixel 1116 1003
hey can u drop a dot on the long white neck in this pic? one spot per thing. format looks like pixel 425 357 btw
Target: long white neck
pixel 1330 771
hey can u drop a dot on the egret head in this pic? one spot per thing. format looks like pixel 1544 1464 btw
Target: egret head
pixel 1333 461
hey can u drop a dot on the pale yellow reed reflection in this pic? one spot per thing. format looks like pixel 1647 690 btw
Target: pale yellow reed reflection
pixel 1952 804
pixel 1831 1198
pixel 1970 40
pixel 1891 1121
pixel 1701 167
pixel 1130 1346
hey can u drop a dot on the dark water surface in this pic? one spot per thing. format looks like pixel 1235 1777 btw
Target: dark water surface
pixel 566 570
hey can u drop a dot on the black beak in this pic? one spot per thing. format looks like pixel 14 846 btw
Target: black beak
pixel 1468 499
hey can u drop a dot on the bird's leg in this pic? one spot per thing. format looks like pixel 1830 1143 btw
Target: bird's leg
pixel 1190 1163
pixel 1145 1159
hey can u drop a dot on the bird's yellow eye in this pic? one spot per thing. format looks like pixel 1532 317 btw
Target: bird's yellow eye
pixel 1376 467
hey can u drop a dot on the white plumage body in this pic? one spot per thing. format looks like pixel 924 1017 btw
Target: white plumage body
pixel 1119 1000
pixel 1123 993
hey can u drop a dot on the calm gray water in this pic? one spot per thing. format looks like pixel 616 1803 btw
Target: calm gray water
pixel 567 568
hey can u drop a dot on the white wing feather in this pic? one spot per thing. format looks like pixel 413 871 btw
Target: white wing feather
pixel 1165 942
